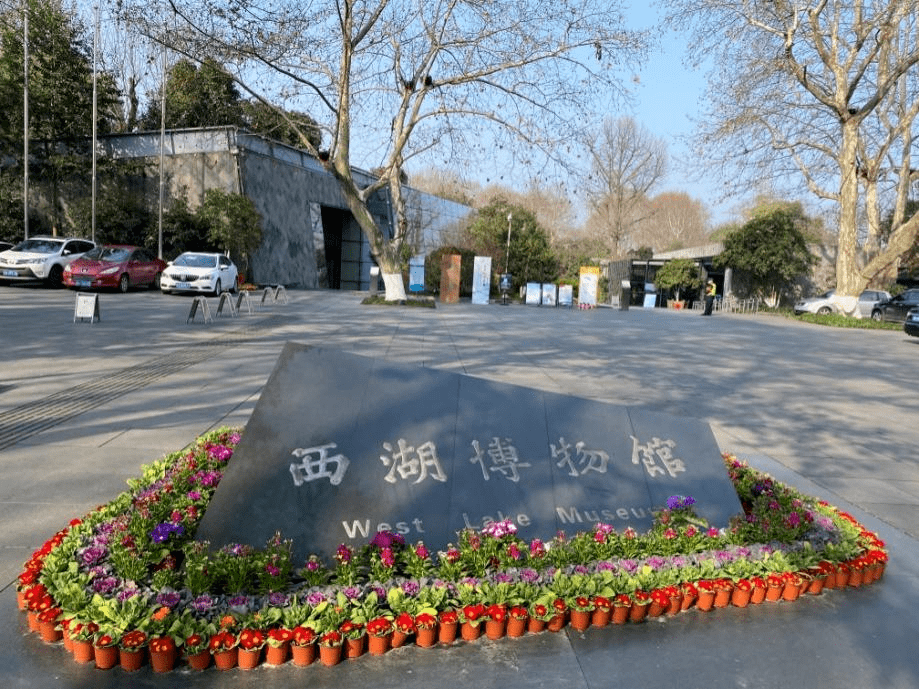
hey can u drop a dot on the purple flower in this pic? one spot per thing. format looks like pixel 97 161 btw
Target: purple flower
pixel 411 588
pixel 315 598
pixel 277 599
pixel 202 603
pixel 351 592
pixel 162 532
pixel 220 452
pixel 105 585
pixel 529 576
pixel 93 555
pixel 194 495
pixel 168 599
pixel 127 592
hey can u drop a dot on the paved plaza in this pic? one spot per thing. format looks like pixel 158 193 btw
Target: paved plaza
pixel 833 412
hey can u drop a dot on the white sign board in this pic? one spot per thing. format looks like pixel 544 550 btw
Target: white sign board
pixel 86 306
pixel 565 295
pixel 534 294
pixel 481 279
pixel 548 294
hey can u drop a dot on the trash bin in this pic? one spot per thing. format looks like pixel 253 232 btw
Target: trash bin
pixel 625 295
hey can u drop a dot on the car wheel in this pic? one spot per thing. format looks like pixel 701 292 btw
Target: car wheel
pixel 824 310
pixel 218 288
pixel 156 281
pixel 124 283
pixel 877 316
pixel 234 288
pixel 56 276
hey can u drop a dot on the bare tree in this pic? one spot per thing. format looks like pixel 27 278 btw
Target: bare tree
pixel 627 162
pixel 791 95
pixel 406 76
pixel 676 221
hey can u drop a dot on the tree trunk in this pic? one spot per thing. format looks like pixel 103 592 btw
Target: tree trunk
pixel 849 281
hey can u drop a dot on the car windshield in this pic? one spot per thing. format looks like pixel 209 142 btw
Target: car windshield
pixel 113 254
pixel 39 246
pixel 196 261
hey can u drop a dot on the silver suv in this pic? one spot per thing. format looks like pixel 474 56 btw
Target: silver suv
pixel 41 258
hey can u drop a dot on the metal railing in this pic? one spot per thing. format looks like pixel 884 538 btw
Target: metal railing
pixel 731 305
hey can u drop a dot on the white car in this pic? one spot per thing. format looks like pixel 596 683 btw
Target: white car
pixel 824 304
pixel 196 271
pixel 41 258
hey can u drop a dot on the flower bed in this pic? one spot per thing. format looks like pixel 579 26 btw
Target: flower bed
pixel 130 574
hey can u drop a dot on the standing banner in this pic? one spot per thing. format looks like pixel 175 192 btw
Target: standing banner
pixel 534 294
pixel 565 295
pixel 481 279
pixel 548 294
pixel 416 274
pixel 587 288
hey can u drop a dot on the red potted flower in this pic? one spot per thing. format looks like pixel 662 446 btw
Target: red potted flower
pixel 426 624
pixel 251 643
pixel 278 645
pixel 131 650
pixel 448 623
pixel 224 647
pixel 517 619
pixel 379 633
pixel 303 645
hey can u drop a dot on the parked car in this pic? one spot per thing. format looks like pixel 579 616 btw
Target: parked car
pixel 911 324
pixel 820 305
pixel 42 258
pixel 823 305
pixel 115 266
pixel 195 271
pixel 895 309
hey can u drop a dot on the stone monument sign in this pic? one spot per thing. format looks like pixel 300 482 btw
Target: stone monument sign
pixel 341 446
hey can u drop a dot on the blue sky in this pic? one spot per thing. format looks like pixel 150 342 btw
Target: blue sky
pixel 666 99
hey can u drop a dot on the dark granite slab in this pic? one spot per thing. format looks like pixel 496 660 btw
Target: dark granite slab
pixel 342 446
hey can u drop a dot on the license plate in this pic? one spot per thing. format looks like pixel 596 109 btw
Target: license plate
pixel 183 285
pixel 10 273
pixel 83 283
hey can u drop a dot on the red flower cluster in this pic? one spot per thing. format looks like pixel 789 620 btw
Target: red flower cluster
pixel 304 636
pixel 425 620
pixel 250 639
pixel 279 636
pixel 332 638
pixel 405 623
pixel 162 644
pixel 222 641
pixel 496 612
pixel 134 639
pixel 379 626
pixel 449 617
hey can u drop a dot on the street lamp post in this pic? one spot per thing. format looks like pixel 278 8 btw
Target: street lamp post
pixel 507 260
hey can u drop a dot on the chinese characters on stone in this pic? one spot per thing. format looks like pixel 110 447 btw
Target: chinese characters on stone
pixel 317 464
pixel 412 462
pixel 503 457
pixel 649 453
pixel 583 461
pixel 407 462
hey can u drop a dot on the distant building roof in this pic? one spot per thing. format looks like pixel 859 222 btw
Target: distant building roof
pixel 695 252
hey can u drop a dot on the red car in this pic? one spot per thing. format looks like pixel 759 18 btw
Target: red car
pixel 115 266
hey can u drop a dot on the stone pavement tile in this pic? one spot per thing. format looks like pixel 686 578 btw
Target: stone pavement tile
pixel 903 517
pixel 863 490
